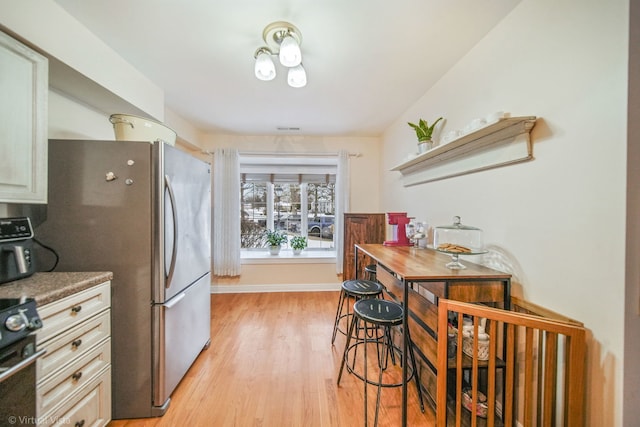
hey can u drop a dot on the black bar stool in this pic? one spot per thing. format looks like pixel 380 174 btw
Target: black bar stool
pixel 378 313
pixel 371 271
pixel 353 290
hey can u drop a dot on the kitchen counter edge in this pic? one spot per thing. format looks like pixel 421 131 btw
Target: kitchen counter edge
pixel 49 287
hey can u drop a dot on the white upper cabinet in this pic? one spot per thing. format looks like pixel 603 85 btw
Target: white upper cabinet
pixel 23 123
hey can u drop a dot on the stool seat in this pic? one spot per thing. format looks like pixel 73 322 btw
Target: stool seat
pixel 353 290
pixel 379 311
pixel 362 288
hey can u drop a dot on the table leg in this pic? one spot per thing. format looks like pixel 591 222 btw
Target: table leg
pixel 405 346
pixel 507 294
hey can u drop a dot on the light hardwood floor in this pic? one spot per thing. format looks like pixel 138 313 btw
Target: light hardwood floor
pixel 271 364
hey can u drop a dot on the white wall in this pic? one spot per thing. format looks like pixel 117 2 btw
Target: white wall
pixel 70 120
pixel 557 222
pixel 48 27
pixel 364 197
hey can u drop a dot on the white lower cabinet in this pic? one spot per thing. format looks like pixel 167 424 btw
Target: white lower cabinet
pixel 74 376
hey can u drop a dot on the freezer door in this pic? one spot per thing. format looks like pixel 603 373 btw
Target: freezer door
pixel 187 221
pixel 182 330
pixel 99 218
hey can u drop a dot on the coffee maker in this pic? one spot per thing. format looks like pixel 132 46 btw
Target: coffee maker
pixel 16 249
pixel 398 222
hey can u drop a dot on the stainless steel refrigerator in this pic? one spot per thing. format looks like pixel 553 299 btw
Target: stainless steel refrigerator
pixel 141 210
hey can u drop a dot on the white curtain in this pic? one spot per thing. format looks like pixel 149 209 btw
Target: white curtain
pixel 342 206
pixel 226 212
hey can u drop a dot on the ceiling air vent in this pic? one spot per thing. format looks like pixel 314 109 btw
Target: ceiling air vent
pixel 288 129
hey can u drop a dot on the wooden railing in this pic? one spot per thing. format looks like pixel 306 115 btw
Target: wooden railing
pixel 530 374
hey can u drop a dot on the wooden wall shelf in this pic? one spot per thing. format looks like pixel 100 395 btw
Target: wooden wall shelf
pixel 501 143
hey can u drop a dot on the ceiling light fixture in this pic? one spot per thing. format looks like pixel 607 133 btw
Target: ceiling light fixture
pixel 282 39
pixel 265 69
pixel 297 76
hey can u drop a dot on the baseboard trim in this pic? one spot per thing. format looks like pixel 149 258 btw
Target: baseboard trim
pixel 307 287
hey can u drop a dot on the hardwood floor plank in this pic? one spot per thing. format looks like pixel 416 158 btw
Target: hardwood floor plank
pixel 271 364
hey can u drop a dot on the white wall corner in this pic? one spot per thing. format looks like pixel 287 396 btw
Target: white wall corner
pixel 188 134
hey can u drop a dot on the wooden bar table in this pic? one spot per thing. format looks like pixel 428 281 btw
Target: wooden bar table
pixel 419 277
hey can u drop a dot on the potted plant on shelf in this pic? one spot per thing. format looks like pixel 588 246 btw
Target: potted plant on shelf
pixel 298 243
pixel 275 239
pixel 424 132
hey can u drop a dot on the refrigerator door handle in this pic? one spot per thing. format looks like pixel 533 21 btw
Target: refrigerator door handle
pixel 175 300
pixel 174 213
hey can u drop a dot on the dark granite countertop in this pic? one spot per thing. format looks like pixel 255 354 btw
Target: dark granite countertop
pixel 49 287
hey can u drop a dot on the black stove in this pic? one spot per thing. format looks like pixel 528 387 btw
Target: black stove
pixel 18 318
pixel 18 355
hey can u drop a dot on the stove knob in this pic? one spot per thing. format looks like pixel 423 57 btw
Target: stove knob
pixel 35 323
pixel 28 350
pixel 15 323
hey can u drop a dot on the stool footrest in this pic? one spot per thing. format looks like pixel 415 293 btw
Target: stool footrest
pixel 352 370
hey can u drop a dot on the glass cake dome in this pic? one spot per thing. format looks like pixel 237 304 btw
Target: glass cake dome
pixel 458 239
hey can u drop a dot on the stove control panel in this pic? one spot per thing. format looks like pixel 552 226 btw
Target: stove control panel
pixel 18 318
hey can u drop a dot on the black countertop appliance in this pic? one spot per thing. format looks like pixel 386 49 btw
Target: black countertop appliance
pixel 16 243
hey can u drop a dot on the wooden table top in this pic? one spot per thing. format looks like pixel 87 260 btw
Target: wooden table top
pixel 426 264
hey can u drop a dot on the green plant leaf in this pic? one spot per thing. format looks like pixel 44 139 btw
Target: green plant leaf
pixel 298 242
pixel 423 130
pixel 275 238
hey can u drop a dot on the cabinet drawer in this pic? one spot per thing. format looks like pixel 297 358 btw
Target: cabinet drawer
pixel 467 291
pixel 73 344
pixel 91 407
pixel 70 311
pixel 70 379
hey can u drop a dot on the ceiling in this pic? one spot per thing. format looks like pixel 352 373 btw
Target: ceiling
pixel 367 61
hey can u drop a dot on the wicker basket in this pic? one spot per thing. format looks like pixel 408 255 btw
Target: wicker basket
pixel 483 348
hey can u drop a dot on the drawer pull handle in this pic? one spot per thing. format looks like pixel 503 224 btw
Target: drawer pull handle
pixel 80 423
pixel 77 376
pixel 76 343
pixel 76 309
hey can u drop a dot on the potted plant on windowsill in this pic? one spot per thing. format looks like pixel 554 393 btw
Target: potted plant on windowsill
pixel 298 243
pixel 424 132
pixel 275 239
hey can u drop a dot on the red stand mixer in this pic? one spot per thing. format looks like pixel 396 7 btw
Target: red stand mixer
pixel 398 221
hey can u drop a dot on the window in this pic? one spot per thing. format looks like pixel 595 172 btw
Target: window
pixel 294 195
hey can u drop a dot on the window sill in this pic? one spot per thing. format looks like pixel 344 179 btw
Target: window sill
pixel 287 257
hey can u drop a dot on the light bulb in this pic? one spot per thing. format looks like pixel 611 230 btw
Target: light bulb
pixel 265 69
pixel 297 76
pixel 290 54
